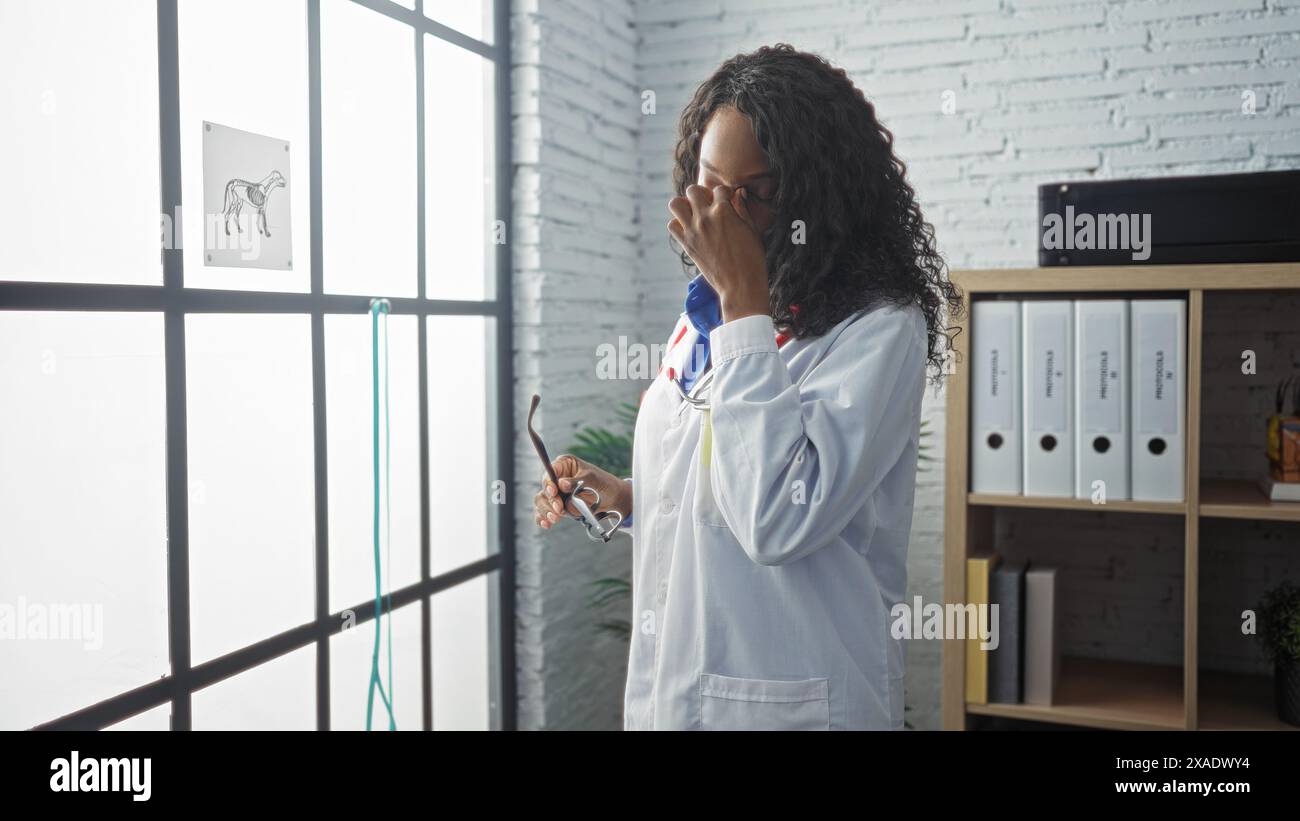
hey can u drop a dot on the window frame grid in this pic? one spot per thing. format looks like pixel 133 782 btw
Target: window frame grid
pixel 174 301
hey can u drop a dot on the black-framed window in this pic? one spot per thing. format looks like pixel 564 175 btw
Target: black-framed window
pixel 184 448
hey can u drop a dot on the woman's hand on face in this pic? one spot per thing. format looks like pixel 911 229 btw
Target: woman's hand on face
pixel 615 494
pixel 713 226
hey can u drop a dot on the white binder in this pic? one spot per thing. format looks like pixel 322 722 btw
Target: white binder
pixel 995 397
pixel 1101 406
pixel 1047 330
pixel 1158 379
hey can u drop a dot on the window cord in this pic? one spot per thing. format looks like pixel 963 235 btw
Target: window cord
pixel 378 306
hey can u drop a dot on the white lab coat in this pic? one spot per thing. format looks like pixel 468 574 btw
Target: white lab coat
pixel 770 533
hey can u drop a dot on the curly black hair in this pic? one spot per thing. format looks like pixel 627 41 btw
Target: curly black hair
pixel 866 242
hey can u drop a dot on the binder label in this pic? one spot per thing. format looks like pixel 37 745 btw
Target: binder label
pixel 1049 373
pixel 1102 373
pixel 994 397
pixel 1158 378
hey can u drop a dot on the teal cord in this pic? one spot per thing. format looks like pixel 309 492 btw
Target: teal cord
pixel 388 518
pixel 376 308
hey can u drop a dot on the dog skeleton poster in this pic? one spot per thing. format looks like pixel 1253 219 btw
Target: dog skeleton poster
pixel 246 196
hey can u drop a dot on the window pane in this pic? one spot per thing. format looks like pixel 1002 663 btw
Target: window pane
pixel 79 145
pixel 83 523
pixel 277 695
pixel 348 400
pixel 350 654
pixel 472 17
pixel 461 422
pixel 458 202
pixel 251 480
pixel 243 64
pixel 368 152
pixel 463 666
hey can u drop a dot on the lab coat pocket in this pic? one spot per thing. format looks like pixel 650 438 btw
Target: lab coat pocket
pixel 730 703
pixel 705 505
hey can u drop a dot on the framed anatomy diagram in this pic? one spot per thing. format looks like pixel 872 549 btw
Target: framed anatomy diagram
pixel 246 200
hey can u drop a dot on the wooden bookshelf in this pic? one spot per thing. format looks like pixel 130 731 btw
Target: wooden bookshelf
pixel 1233 499
pixel 1108 695
pixel 1051 503
pixel 1093 692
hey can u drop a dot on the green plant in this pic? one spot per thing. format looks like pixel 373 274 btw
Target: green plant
pixel 921 455
pixel 606 592
pixel 612 452
pixel 1279 622
pixel 606 449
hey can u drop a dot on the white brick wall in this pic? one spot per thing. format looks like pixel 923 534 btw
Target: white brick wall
pixel 1044 90
pixel 575 122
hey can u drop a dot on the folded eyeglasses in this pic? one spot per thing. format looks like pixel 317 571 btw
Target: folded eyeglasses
pixel 600 526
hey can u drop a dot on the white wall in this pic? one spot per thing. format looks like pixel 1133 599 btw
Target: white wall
pixel 575 121
pixel 1044 90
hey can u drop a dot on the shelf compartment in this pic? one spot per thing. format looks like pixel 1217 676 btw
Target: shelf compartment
pixel 1062 503
pixel 1233 701
pixel 1110 695
pixel 1242 499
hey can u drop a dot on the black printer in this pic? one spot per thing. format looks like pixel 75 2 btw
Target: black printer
pixel 1204 219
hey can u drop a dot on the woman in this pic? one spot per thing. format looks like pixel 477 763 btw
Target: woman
pixel 770 512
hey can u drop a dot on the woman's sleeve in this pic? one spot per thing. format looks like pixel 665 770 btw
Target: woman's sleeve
pixel 627 520
pixel 791 465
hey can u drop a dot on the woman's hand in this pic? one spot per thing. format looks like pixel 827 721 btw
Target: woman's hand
pixel 713 226
pixel 615 494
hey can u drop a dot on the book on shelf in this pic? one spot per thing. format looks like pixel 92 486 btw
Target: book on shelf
pixel 1042 636
pixel 1006 661
pixel 979 569
pixel 1279 491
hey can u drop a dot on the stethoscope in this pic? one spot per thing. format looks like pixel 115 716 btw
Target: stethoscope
pixel 698 397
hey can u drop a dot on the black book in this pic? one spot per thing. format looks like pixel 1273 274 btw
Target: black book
pixel 1006 661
